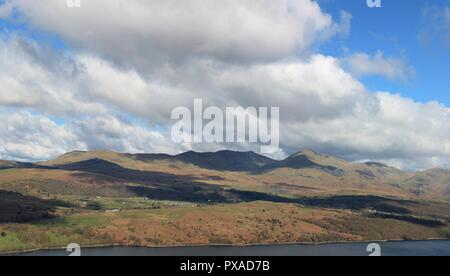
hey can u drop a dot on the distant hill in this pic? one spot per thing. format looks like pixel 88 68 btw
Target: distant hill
pixel 220 161
pixel 303 173
pixel 18 165
pixel 77 156
pixel 7 164
pixel 435 182
pixel 233 161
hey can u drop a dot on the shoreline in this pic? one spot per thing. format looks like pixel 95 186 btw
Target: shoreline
pixel 218 245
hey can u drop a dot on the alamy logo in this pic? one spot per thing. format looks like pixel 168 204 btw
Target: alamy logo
pixel 237 125
pixel 74 249
pixel 374 249
pixel 374 3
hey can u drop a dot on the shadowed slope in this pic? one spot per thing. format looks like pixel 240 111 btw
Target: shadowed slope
pixel 308 159
pixel 226 160
pixel 18 208
pixel 162 186
pixel 5 165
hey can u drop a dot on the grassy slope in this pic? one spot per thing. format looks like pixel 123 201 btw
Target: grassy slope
pixel 246 223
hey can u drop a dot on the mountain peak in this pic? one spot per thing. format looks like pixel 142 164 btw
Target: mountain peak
pixel 376 164
pixel 307 153
pixel 77 156
pixel 226 160
pixel 76 153
pixel 315 157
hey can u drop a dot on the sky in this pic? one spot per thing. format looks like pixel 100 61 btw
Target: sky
pixel 415 30
pixel 360 83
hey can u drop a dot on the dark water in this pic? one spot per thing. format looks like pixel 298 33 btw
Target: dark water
pixel 404 248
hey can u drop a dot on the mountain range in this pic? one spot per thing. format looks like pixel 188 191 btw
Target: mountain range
pixel 303 173
pixel 225 197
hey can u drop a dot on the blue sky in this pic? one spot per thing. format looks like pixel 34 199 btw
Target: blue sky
pixel 394 29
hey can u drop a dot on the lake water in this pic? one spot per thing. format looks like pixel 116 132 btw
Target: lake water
pixel 403 248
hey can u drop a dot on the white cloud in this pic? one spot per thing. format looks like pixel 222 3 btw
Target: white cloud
pixel 32 77
pixel 383 127
pixel 113 133
pixel 275 84
pixel 145 33
pixel 361 64
pixel 344 26
pixel 322 107
pixel 27 137
pixel 4 11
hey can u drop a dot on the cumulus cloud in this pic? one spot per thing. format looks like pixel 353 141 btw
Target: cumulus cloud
pixel 322 107
pixel 362 64
pixel 274 84
pixel 145 33
pixel 24 136
pixel 111 132
pixel 30 137
pixel 383 127
pixel 34 77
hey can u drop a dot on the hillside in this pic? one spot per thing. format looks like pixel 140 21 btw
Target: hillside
pixel 12 164
pixel 308 197
pixel 303 173
pixel 433 183
pixel 221 161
